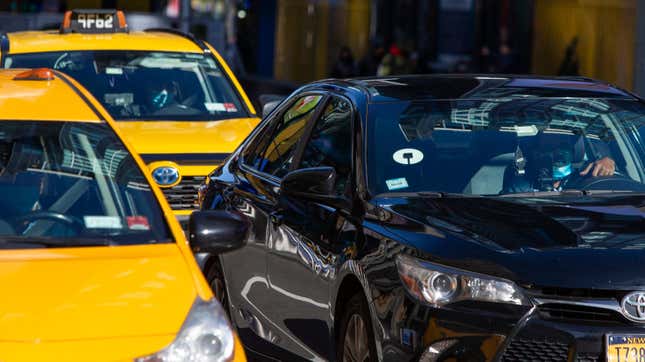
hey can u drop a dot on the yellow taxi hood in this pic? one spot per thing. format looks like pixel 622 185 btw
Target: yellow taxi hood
pixel 74 294
pixel 187 137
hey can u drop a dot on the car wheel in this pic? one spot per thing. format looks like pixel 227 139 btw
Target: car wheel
pixel 215 278
pixel 356 341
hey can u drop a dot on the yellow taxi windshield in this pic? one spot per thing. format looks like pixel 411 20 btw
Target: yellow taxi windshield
pixel 65 183
pixel 145 85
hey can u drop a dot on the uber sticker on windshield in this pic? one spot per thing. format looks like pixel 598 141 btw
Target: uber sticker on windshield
pixel 103 222
pixel 396 183
pixel 408 156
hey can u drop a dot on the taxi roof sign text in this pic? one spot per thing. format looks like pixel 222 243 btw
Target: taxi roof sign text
pixel 94 21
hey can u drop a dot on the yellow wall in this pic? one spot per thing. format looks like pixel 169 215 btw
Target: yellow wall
pixel 310 33
pixel 358 26
pixel 606 30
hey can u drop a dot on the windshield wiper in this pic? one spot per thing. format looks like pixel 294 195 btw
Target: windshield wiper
pixel 568 192
pixel 614 192
pixel 428 194
pixel 52 242
pixel 574 192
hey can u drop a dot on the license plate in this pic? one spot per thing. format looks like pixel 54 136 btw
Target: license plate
pixel 626 348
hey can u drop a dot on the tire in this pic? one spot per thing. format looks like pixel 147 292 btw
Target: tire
pixel 215 279
pixel 352 344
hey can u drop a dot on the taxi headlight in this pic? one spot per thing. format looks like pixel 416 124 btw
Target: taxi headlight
pixel 206 335
pixel 439 285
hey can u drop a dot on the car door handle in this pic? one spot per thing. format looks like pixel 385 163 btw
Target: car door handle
pixel 276 218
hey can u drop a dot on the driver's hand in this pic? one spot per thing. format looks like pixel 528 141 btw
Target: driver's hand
pixel 603 167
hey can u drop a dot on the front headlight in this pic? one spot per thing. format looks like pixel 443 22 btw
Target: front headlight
pixel 439 285
pixel 206 335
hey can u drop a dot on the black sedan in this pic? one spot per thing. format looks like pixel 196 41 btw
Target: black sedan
pixel 464 218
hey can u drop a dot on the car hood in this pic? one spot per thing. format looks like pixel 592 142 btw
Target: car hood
pixel 580 242
pixel 91 293
pixel 186 136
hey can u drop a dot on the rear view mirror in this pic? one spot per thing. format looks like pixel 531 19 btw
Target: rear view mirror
pixel 217 231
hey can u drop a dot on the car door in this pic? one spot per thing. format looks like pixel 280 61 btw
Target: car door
pixel 267 158
pixel 302 249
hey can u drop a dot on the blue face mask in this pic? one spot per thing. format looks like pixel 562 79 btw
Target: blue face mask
pixel 561 172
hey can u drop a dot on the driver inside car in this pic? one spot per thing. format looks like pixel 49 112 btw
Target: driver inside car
pixel 552 167
pixel 165 98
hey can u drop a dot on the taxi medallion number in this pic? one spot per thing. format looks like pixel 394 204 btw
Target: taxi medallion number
pixel 626 348
pixel 95 21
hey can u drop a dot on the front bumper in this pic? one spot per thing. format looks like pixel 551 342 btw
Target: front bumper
pixel 183 216
pixel 111 349
pixel 489 332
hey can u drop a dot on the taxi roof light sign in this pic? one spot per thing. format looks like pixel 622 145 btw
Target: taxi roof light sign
pixel 94 21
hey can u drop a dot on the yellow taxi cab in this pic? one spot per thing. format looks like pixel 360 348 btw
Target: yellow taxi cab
pixel 173 96
pixel 94 266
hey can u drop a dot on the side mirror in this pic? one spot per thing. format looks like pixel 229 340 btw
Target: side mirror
pixel 316 183
pixel 217 231
pixel 267 108
pixel 269 102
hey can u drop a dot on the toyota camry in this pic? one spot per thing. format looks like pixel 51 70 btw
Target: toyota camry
pixel 437 218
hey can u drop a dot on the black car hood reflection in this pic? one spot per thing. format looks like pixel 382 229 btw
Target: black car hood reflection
pixel 597 241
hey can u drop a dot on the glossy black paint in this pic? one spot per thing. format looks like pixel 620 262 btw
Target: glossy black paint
pixel 309 182
pixel 217 231
pixel 305 257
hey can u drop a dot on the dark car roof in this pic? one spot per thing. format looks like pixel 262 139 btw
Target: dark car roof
pixel 413 87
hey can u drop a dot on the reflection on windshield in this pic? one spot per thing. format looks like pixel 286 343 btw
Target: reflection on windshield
pixel 73 181
pixel 146 85
pixel 507 145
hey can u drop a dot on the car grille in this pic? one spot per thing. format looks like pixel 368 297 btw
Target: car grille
pixel 560 305
pixel 574 313
pixel 588 358
pixel 184 195
pixel 522 350
pixel 576 293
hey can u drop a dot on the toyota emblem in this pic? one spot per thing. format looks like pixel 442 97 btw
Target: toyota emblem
pixel 165 175
pixel 633 306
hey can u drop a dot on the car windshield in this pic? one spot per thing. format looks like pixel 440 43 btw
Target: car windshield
pixel 141 85
pixel 61 182
pixel 506 146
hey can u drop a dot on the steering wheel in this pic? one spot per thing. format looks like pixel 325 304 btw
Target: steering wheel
pixel 69 221
pixel 615 182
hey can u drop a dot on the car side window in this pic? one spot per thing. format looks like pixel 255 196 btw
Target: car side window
pixel 275 151
pixel 330 143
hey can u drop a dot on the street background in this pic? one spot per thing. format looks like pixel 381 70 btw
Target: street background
pixel 276 45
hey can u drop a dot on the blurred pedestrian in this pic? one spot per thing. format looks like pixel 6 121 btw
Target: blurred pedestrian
pixel 502 59
pixel 507 56
pixel 231 51
pixel 395 62
pixel 570 64
pixel 344 67
pixel 368 65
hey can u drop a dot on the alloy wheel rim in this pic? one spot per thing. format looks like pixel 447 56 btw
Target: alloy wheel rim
pixel 356 346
